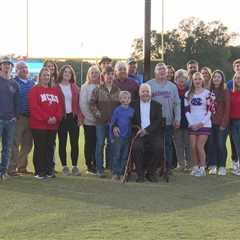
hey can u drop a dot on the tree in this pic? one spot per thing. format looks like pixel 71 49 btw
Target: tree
pixel 209 43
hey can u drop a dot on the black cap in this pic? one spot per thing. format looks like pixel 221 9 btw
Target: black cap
pixel 131 60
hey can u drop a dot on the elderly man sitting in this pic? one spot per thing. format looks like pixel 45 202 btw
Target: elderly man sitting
pixel 148 117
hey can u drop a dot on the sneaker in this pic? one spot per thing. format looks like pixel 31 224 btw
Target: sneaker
pixel 101 174
pixel 3 176
pixel 66 171
pixel 200 172
pixel 235 165
pixel 222 171
pixel 236 172
pixel 115 178
pixel 194 170
pixel 40 177
pixel 76 171
pixel 212 170
pixel 52 175
pixel 91 171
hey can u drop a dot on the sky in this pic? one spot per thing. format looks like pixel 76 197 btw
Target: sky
pixel 95 28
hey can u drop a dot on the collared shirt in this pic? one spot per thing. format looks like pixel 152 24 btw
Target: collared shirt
pixel 145 114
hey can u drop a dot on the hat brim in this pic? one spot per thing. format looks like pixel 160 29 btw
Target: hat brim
pixel 8 62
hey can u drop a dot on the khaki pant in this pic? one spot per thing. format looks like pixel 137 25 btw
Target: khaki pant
pixel 22 145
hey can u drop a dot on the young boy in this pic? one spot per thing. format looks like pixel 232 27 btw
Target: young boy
pixel 120 133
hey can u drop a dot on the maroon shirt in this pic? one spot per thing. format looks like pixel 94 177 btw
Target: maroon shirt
pixel 128 85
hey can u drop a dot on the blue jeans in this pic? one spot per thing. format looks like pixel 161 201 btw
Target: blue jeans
pixel 102 131
pixel 168 145
pixel 235 132
pixel 217 150
pixel 119 155
pixel 7 133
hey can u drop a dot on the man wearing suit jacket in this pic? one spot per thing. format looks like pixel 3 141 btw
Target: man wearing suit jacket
pixel 147 147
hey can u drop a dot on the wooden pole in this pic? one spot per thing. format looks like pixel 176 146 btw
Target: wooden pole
pixel 147 41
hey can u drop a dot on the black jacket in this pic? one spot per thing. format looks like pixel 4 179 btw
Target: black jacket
pixel 156 119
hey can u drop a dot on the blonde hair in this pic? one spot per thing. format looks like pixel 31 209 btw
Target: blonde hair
pixel 124 93
pixel 192 88
pixel 91 69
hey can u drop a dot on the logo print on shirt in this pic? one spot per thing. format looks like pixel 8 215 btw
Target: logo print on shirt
pixel 196 101
pixel 164 94
pixel 49 98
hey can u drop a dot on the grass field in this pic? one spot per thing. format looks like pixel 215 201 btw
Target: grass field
pixel 90 208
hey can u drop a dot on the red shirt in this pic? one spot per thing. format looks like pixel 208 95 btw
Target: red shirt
pixel 45 103
pixel 235 103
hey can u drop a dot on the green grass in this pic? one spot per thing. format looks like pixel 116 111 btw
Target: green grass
pixel 90 208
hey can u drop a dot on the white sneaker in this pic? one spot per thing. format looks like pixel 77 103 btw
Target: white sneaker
pixel 235 165
pixel 236 172
pixel 212 170
pixel 222 171
pixel 194 170
pixel 200 172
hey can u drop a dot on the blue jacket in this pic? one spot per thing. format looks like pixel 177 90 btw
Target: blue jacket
pixel 24 89
pixel 122 118
pixel 9 99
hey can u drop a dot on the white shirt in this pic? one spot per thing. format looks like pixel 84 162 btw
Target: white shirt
pixel 145 114
pixel 198 109
pixel 66 89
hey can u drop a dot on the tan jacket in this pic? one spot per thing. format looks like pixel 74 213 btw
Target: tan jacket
pixel 103 103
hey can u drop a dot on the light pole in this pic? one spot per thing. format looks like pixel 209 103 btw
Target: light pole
pixel 163 30
pixel 147 41
pixel 27 30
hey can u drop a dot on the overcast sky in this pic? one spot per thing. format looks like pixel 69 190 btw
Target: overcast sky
pixel 93 28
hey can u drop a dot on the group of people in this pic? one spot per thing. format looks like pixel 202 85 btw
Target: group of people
pixel 181 119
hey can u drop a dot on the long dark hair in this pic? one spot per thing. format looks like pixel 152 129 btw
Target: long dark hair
pixel 61 71
pixel 219 93
pixel 54 76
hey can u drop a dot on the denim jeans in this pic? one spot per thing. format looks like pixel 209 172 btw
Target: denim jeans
pixel 7 133
pixel 217 149
pixel 119 155
pixel 235 132
pixel 168 145
pixel 102 131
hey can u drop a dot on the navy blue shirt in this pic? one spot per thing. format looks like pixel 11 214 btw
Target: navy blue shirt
pixel 138 78
pixel 230 85
pixel 9 99
pixel 122 118
pixel 24 88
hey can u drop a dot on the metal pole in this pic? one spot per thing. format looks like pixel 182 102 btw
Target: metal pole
pixel 147 41
pixel 27 29
pixel 163 50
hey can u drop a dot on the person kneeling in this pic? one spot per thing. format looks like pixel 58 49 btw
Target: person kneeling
pixel 148 116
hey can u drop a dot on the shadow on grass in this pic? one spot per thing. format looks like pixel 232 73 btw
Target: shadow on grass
pixel 182 192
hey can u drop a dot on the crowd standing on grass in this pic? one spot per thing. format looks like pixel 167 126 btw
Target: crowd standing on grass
pixel 180 119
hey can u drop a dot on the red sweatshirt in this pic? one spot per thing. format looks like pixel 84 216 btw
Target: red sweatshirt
pixel 44 103
pixel 235 103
